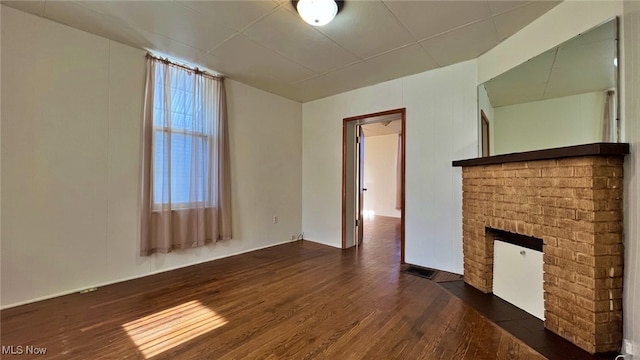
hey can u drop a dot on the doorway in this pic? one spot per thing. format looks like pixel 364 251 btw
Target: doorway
pixel 353 185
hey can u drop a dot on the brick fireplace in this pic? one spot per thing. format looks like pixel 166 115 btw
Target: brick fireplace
pixel 571 198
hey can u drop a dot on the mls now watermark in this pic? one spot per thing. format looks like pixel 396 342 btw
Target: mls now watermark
pixel 23 350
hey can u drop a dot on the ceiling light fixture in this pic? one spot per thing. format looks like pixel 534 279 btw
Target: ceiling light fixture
pixel 317 12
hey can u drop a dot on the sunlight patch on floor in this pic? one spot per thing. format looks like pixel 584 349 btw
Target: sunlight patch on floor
pixel 169 328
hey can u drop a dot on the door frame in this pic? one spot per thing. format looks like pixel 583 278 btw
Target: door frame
pixel 346 122
pixel 485 122
pixel 360 182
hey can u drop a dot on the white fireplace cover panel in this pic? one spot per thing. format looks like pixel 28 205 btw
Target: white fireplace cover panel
pixel 517 277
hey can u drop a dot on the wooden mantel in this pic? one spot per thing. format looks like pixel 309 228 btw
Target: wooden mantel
pixel 595 149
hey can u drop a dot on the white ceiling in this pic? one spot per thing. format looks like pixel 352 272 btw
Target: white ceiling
pixel 581 65
pixel 266 45
pixel 382 128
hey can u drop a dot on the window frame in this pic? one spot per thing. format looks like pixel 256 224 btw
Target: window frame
pixel 168 131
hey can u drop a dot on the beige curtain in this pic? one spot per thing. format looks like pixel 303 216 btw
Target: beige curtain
pixel 399 174
pixel 609 117
pixel 186 198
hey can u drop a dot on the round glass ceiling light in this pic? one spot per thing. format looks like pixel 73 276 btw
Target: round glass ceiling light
pixel 317 12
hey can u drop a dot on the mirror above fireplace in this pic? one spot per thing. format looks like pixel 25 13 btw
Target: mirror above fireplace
pixel 565 96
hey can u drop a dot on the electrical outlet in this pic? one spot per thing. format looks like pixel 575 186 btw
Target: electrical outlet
pixel 294 237
pixel 275 219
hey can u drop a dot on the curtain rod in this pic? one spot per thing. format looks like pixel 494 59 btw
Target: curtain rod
pixel 194 70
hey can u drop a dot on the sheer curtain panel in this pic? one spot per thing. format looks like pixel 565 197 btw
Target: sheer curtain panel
pixel 186 198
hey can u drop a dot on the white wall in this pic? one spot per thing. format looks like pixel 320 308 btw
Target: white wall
pixel 564 121
pixel 380 174
pixel 631 70
pixel 441 126
pixel 71 120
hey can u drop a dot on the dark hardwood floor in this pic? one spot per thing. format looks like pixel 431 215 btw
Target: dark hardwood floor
pixel 299 301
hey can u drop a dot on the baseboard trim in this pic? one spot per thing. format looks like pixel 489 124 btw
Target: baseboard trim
pixel 322 243
pixel 98 285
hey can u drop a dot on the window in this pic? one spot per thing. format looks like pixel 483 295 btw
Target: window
pixel 182 140
pixel 186 178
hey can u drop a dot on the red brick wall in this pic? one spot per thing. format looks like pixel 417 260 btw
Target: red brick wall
pixel 575 206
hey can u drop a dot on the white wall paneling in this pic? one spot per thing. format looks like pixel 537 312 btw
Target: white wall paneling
pixel 71 118
pixel 441 118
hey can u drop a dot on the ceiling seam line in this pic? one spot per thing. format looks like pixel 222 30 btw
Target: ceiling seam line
pixel 495 28
pixel 524 3
pixel 108 16
pixel 278 53
pixel 455 28
pixel 269 13
pixel 546 85
pixel 416 42
pixel 399 21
